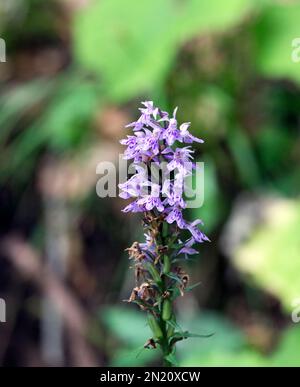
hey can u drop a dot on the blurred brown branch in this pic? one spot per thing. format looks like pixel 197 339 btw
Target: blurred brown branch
pixel 28 263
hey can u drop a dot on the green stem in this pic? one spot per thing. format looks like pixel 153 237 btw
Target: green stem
pixel 166 352
pixel 155 274
pixel 167 264
pixel 166 349
pixel 162 283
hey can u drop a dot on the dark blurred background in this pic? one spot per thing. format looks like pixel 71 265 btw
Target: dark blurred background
pixel 75 73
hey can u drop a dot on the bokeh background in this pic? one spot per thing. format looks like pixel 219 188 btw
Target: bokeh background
pixel 74 75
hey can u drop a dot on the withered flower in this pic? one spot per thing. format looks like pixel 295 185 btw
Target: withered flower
pixel 145 291
pixel 135 252
pixel 150 344
pixel 184 278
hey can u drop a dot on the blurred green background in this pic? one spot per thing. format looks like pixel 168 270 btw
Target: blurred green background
pixel 74 75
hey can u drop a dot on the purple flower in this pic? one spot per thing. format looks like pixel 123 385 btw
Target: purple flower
pixel 145 118
pixel 135 186
pixel 180 159
pixel 153 200
pixel 176 216
pixel 186 136
pixel 148 247
pixel 149 109
pixel 187 251
pixel 134 207
pixel 131 188
pixel 158 191
pixel 155 135
pixel 132 149
pixel 196 233
pixel 150 141
pixel 171 133
pixel 187 248
pixel 174 191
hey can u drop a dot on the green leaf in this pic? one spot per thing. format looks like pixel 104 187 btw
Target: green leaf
pixel 130 327
pixel 174 324
pixel 227 338
pixel 178 336
pixel 211 210
pixel 287 352
pixel 126 357
pixel 126 324
pixel 67 117
pixel 174 277
pixel 191 287
pixel 211 15
pixel 285 355
pixel 245 358
pixel 270 257
pixel 188 334
pixel 62 125
pixel 227 347
pixel 16 102
pixel 131 44
pixel 242 151
pixel 175 293
pixel 171 358
pixel 274 33
pixel 154 273
pixel 274 144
